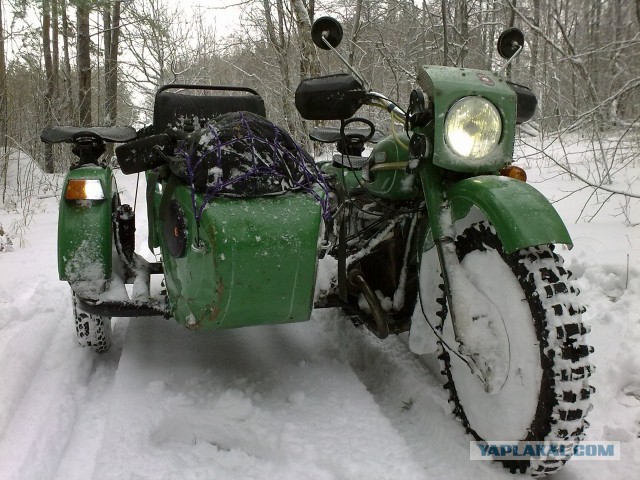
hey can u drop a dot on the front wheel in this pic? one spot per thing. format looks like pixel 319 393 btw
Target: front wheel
pixel 92 331
pixel 545 396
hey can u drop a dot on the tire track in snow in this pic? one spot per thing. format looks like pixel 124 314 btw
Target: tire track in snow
pixel 260 402
pixel 413 400
pixel 56 377
pixel 27 329
pixel 77 462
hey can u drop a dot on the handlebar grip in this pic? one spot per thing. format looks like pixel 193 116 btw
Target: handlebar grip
pixel 138 155
pixel 526 102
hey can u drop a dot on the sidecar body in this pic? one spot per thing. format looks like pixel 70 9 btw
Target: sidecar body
pixel 253 263
pixel 228 260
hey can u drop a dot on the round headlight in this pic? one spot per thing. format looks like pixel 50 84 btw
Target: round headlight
pixel 473 127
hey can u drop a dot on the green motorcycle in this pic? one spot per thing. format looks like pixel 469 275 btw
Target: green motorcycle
pixel 442 236
pixel 433 233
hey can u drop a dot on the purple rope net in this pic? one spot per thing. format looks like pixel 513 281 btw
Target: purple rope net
pixel 244 155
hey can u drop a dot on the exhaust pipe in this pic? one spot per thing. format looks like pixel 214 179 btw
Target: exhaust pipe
pixel 379 326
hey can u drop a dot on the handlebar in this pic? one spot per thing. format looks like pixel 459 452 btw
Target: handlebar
pixel 388 105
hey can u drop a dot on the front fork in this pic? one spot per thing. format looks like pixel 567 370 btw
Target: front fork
pixel 490 369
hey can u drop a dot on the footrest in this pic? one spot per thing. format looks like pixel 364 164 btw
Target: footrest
pixel 129 308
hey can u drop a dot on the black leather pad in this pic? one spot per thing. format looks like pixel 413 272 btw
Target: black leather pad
pixel 59 134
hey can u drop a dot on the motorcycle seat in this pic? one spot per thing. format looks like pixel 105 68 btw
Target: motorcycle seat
pixel 68 134
pixel 171 106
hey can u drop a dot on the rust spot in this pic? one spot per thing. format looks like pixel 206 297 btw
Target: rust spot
pixel 215 311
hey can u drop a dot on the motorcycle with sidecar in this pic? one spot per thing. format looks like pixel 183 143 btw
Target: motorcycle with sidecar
pixel 433 232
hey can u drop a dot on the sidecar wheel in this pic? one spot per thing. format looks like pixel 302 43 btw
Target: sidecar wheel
pixel 545 397
pixel 92 331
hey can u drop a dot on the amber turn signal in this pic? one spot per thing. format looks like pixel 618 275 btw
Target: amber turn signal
pixel 514 172
pixel 83 189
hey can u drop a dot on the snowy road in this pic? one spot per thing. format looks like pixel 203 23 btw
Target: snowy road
pixel 262 403
pixel 317 400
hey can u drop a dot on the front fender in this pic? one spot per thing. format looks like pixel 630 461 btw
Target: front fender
pixel 85 230
pixel 521 215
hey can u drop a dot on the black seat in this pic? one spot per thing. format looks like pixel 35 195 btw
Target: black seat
pixel 68 134
pixel 171 106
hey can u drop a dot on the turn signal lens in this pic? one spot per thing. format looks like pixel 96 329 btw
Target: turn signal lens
pixel 82 189
pixel 514 172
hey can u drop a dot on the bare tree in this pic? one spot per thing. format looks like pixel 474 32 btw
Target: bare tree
pixel 355 30
pixel 462 14
pixel 50 91
pixel 445 33
pixel 111 16
pixel 163 48
pixel 581 58
pixel 534 43
pixel 3 87
pixel 84 61
pixel 68 103
pixel 280 42
pixel 111 42
pixel 4 154
pixel 309 64
pixel 55 47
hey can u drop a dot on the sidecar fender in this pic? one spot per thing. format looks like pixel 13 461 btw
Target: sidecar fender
pixel 85 230
pixel 521 215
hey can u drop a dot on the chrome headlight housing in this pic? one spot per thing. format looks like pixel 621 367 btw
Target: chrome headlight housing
pixel 473 127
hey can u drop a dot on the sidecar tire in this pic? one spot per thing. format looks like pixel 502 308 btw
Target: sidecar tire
pixel 92 331
pixel 551 331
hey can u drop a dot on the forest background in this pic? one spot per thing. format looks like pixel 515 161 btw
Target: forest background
pixel 100 62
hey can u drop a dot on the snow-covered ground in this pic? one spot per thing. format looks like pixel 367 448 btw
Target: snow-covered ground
pixel 318 400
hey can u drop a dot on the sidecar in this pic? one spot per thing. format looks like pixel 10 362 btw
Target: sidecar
pixel 236 220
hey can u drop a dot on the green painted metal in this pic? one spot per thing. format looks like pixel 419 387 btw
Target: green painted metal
pixel 434 195
pixel 85 230
pixel 255 263
pixel 521 215
pixel 350 179
pixel 394 184
pixel 154 196
pixel 445 86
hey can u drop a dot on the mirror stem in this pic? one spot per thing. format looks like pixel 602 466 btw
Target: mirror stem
pixel 508 62
pixel 360 78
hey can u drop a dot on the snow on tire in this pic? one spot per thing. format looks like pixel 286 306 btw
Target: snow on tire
pixel 92 330
pixel 546 395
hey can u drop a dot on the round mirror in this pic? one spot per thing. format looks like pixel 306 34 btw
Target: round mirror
pixel 510 41
pixel 326 28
